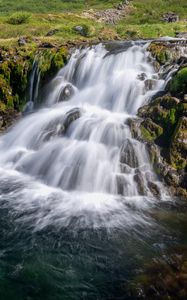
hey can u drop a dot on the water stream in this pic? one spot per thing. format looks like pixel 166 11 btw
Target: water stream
pixel 75 197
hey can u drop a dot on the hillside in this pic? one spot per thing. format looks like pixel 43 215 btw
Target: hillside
pixel 141 19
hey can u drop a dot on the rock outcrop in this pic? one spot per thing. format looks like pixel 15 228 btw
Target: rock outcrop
pixel 162 123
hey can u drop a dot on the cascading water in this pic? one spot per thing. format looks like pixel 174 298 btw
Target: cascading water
pixel 78 213
pixel 74 160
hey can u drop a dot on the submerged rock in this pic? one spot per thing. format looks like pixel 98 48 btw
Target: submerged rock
pixel 128 155
pixel 66 93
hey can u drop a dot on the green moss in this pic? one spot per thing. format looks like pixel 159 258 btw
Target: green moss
pixel 178 84
pixel 15 71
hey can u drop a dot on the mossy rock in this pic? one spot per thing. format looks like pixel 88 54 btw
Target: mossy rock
pixel 164 52
pixel 164 112
pixel 16 67
pixel 150 131
pixel 178 84
pixel 160 52
pixel 82 29
pixel 178 149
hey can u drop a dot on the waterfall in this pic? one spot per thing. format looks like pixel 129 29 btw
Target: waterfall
pixel 34 83
pixel 74 161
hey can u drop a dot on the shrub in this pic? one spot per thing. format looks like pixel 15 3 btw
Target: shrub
pixel 18 18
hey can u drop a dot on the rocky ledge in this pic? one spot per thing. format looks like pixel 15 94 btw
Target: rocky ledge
pixel 16 66
pixel 162 123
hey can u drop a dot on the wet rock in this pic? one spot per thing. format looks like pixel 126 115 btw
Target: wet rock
pixel 154 189
pixel 173 178
pixel 138 177
pixel 163 277
pixel 71 116
pixel 60 125
pixel 167 52
pixel 150 84
pixel 134 125
pixel 128 155
pixel 178 150
pixel 142 76
pixel 150 130
pixel 66 93
pixel 181 35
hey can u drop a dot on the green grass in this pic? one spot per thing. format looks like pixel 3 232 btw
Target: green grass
pixel 46 6
pixel 144 20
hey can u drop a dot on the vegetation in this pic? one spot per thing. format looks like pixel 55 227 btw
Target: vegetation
pixel 179 82
pixel 18 18
pixel 144 19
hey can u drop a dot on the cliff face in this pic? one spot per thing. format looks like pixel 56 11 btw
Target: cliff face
pixel 163 121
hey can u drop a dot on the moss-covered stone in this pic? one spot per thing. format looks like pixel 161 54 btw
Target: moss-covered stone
pixel 178 149
pixel 164 52
pixel 15 68
pixel 178 84
pixel 163 112
pixel 150 131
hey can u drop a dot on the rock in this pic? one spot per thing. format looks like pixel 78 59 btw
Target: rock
pixel 150 84
pixel 178 84
pixel 150 130
pixel 140 184
pixel 66 93
pixel 167 52
pixel 172 178
pixel 154 188
pixel 142 76
pixel 22 41
pixel 134 125
pixel 170 17
pixel 82 30
pixel 128 155
pixel 53 32
pixel 60 125
pixel 178 149
pixel 71 116
pixel 181 35
pixel 46 45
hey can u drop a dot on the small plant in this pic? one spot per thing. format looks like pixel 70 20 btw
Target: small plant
pixel 19 18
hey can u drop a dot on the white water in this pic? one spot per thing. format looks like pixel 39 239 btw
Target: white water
pixel 60 177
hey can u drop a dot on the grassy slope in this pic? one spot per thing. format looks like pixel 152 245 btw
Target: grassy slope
pixel 144 21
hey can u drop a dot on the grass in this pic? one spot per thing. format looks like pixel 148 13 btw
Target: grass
pixel 144 20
